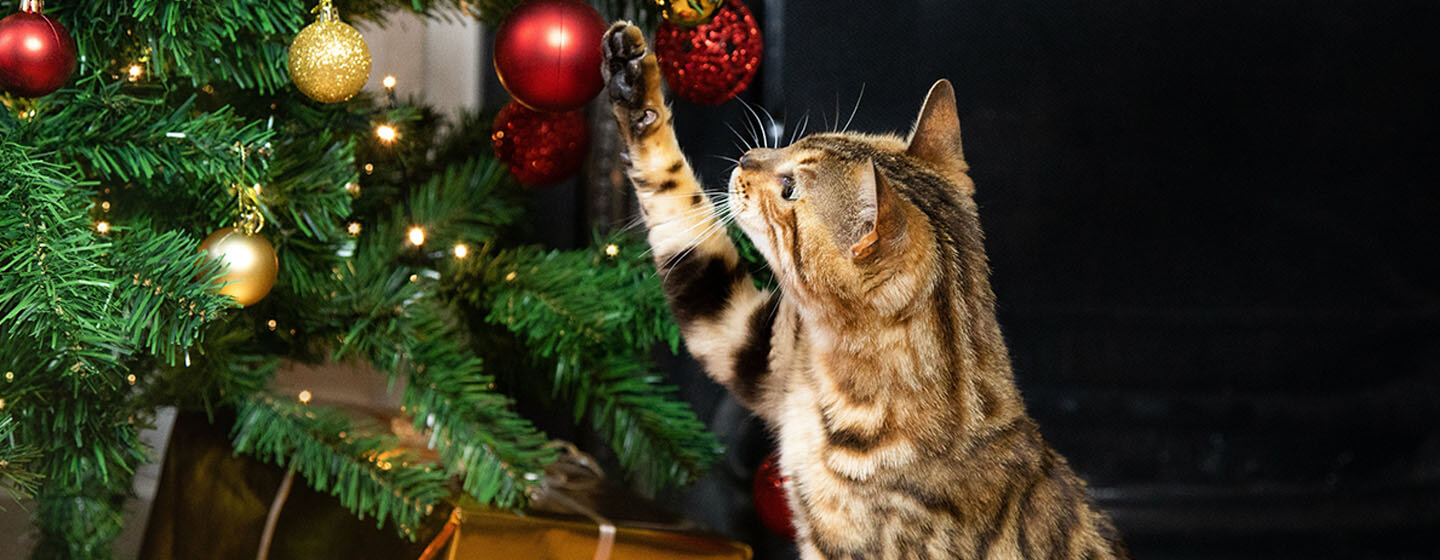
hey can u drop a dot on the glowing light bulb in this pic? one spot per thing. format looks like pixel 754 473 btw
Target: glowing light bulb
pixel 305 396
pixel 461 251
pixel 135 71
pixel 102 227
pixel 353 228
pixel 389 82
pixel 385 132
pixel 417 236
pixel 611 250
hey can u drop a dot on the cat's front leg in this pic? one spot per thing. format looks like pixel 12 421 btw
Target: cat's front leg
pixel 727 323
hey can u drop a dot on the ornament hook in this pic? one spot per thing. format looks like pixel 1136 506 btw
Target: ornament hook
pixel 251 219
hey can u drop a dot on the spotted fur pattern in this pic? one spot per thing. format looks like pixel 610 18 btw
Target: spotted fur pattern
pixel 878 363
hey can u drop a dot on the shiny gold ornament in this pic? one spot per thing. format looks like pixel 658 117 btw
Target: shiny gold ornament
pixel 329 60
pixel 251 261
pixel 688 13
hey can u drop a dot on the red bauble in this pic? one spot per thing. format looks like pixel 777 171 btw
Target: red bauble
pixel 37 55
pixel 547 53
pixel 770 500
pixel 712 62
pixel 541 148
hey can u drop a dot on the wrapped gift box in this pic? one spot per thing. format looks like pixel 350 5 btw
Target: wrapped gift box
pixel 490 534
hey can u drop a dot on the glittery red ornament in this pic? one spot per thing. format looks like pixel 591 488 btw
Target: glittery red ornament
pixel 541 148
pixel 37 55
pixel 547 54
pixel 770 500
pixel 712 62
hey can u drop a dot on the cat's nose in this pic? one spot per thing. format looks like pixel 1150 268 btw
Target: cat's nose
pixel 755 159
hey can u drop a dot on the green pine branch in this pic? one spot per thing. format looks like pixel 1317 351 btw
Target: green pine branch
pixel 500 455
pixel 361 467
pixel 121 137
pixel 657 437
pixel 596 313
pixel 170 295
pixel 52 272
pixel 17 476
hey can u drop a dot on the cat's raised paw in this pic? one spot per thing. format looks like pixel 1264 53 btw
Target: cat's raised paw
pixel 625 49
pixel 632 76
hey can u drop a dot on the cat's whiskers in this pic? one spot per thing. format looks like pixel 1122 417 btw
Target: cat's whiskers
pixel 696 241
pixel 775 129
pixel 638 221
pixel 755 133
pixel 720 212
pixel 799 131
pixel 764 140
pixel 858 98
pixel 742 138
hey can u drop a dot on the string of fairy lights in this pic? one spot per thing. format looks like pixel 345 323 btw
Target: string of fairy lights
pixel 387 133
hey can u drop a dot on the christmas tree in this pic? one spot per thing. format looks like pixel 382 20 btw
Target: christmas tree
pixel 395 240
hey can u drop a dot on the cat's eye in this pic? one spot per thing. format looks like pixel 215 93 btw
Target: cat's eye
pixel 787 188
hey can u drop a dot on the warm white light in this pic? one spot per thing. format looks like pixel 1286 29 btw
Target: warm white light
pixel 103 227
pixel 461 251
pixel 135 71
pixel 353 228
pixel 611 250
pixel 389 82
pixel 417 236
pixel 385 132
pixel 304 396
pixel 558 37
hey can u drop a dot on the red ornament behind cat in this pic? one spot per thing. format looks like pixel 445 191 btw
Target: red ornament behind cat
pixel 714 61
pixel 770 500
pixel 541 148
pixel 547 54
pixel 37 54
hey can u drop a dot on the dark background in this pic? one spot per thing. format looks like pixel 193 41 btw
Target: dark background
pixel 1213 227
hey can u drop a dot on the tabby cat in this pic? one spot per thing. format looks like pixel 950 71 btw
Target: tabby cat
pixel 881 368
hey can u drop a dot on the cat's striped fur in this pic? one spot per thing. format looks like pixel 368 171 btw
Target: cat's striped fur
pixel 881 369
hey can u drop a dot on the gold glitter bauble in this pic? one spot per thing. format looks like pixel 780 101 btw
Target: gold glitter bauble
pixel 252 263
pixel 688 13
pixel 329 61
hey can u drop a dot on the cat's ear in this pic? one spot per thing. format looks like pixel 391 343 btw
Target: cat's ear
pixel 936 137
pixel 880 218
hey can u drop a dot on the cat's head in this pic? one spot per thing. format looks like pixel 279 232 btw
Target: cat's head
pixel 858 220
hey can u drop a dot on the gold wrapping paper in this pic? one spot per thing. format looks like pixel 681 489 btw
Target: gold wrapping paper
pixel 492 534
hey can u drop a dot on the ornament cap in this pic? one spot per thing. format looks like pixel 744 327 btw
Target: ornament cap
pixel 32 6
pixel 326 10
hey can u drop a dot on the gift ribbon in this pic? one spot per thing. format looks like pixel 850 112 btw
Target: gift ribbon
pixel 557 478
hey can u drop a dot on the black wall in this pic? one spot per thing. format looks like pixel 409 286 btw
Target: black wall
pixel 1213 227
